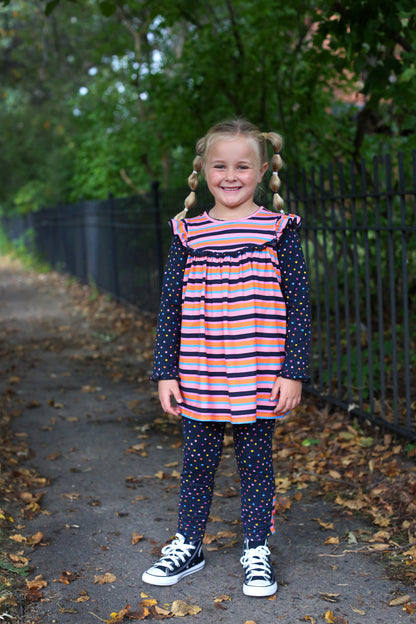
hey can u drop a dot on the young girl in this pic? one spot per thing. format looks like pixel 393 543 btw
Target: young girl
pixel 232 344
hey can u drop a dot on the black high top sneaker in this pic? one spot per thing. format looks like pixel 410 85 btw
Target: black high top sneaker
pixel 258 573
pixel 178 560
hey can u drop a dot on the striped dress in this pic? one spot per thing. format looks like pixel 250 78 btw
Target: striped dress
pixel 233 321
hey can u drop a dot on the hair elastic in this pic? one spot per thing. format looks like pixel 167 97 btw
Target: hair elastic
pixel 194 171
pixel 275 173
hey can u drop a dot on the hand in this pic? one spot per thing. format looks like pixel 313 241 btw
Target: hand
pixel 289 393
pixel 168 389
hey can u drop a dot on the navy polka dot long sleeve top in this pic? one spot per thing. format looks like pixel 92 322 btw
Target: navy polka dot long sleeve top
pixel 295 290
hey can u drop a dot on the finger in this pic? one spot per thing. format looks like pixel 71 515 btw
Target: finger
pixel 174 410
pixel 274 394
pixel 283 406
pixel 177 395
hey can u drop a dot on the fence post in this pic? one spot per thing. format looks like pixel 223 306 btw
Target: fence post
pixel 116 290
pixel 158 230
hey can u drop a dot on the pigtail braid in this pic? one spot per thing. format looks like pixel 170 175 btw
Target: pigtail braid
pixel 276 142
pixel 190 200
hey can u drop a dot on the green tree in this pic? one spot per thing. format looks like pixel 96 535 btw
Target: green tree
pixel 376 43
pixel 114 94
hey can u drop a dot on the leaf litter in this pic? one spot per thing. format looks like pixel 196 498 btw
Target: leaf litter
pixel 361 469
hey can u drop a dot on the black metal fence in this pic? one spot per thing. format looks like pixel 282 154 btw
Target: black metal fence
pixel 359 227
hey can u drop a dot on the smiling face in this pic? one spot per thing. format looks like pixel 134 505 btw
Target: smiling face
pixel 232 169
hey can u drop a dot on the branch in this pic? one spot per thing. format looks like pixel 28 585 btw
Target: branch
pixel 129 181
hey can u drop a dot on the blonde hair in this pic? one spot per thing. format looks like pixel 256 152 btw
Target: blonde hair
pixel 234 128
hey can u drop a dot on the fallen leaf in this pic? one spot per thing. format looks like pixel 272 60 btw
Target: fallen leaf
pixel 18 560
pixel 83 596
pixel 140 614
pixel 135 539
pixel 411 552
pixel 37 583
pixel 225 534
pixel 33 594
pixel 222 598
pixel 161 475
pixel 35 539
pixel 101 579
pixel 118 617
pixel 72 495
pixel 329 597
pixel 180 608
pixel 32 404
pixel 335 474
pixel 65 610
pixel 325 526
pixel 159 613
pixel 400 600
pixel 329 617
pixel 359 611
pixel 409 608
pixel 52 456
pixel 66 577
pixel 309 618
pixel 148 602
pixel 332 540
pixel 209 538
pixel 18 538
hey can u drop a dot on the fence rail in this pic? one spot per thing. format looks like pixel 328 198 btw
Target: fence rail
pixel 359 235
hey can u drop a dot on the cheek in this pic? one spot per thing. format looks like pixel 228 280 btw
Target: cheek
pixel 213 177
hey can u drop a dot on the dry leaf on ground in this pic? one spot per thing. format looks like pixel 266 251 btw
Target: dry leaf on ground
pixel 101 579
pixel 180 608
pixel 37 583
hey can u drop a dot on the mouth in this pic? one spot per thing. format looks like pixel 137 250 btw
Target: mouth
pixel 230 189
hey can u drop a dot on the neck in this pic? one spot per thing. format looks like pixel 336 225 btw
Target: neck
pixel 228 214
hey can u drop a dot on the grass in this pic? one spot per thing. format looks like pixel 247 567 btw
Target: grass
pixel 20 249
pixel 11 577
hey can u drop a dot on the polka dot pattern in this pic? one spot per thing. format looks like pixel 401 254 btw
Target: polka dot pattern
pixel 202 452
pixel 295 290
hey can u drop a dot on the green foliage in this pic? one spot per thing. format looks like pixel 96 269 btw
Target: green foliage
pixel 23 248
pixel 115 94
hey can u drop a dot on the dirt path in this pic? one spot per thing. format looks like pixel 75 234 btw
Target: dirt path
pixel 112 463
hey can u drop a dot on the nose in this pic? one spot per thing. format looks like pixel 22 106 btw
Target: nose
pixel 230 173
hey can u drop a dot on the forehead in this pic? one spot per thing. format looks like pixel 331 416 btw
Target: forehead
pixel 233 147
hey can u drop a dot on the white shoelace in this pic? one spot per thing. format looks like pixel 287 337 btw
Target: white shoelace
pixel 175 553
pixel 255 562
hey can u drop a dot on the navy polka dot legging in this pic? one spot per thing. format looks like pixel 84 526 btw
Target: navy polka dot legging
pixel 202 453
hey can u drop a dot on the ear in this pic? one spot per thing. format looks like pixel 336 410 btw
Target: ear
pixel 262 171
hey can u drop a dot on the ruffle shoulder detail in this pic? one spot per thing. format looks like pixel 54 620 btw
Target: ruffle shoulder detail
pixel 180 229
pixel 287 221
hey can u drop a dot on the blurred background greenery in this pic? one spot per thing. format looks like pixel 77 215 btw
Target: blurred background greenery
pixel 104 96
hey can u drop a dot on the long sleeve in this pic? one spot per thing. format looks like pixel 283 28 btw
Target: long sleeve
pixel 295 289
pixel 166 354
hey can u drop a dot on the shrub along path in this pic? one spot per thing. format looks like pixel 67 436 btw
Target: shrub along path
pixel 89 485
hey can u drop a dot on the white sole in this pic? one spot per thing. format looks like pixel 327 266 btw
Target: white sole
pixel 165 581
pixel 258 591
